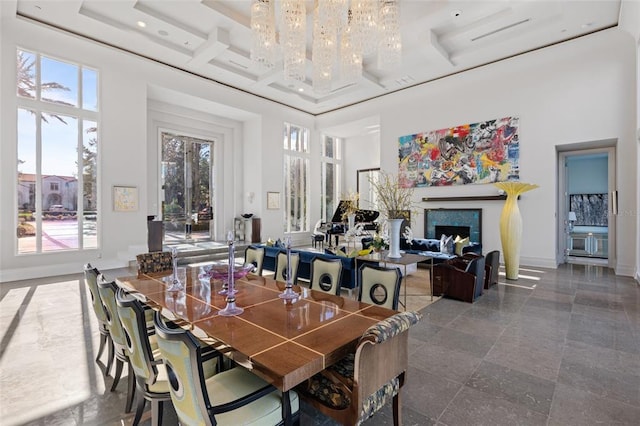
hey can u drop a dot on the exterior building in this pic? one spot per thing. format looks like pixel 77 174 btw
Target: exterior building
pixel 56 191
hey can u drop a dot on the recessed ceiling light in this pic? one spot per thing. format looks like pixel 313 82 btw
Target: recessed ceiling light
pixel 163 33
pixel 142 24
pixel 564 30
pixel 300 89
pixel 456 13
pixel 587 24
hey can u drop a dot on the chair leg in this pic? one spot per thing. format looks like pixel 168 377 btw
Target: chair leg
pixel 131 389
pixel 110 357
pixel 156 412
pixel 397 420
pixel 116 376
pixel 103 340
pixel 139 409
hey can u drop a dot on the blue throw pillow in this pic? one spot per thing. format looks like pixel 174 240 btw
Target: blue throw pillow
pixel 433 246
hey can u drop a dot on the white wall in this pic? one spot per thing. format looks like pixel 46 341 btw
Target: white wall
pixel 630 22
pixel 360 152
pixel 125 143
pixel 574 92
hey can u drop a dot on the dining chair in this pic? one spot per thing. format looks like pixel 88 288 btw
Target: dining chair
pixel 232 397
pixel 107 290
pixel 281 267
pixel 325 275
pixel 379 286
pixel 158 261
pixel 91 281
pixel 150 375
pixel 357 386
pixel 255 256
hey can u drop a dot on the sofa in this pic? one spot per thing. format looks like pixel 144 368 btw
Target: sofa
pixel 348 274
pixel 431 247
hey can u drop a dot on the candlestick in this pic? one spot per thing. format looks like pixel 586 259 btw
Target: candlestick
pixel 288 292
pixel 231 308
pixel 175 283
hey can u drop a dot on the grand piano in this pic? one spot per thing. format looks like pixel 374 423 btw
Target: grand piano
pixel 338 227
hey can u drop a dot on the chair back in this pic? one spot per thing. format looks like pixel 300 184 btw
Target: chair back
pixel 158 261
pixel 325 275
pixel 91 280
pixel 254 256
pixel 281 267
pixel 183 360
pixel 107 290
pixel 476 268
pixel 134 324
pixel 492 265
pixel 380 362
pixel 379 286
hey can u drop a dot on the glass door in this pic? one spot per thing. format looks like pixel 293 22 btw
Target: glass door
pixel 187 188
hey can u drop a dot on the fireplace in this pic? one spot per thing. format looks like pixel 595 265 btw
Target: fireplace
pixel 462 231
pixel 463 222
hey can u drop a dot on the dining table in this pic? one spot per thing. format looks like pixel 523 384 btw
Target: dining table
pixel 283 341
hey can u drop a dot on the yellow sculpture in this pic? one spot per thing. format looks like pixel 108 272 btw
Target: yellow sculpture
pixel 511 225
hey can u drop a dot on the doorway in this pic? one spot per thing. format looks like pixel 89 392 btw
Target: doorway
pixel 186 175
pixel 587 205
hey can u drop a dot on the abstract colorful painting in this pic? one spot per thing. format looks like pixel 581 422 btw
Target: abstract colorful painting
pixel 482 152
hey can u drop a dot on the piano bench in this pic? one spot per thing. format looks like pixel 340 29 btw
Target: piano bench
pixel 317 239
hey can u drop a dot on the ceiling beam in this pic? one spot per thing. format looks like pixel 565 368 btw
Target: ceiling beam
pixel 217 42
pixel 434 41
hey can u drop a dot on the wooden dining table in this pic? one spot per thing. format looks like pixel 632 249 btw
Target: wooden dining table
pixel 283 341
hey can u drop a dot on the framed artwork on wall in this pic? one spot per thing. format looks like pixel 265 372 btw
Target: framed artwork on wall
pixel 472 153
pixel 125 198
pixel 273 200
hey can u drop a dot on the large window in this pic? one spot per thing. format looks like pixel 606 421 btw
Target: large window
pixel 331 176
pixel 296 182
pixel 187 189
pixel 57 148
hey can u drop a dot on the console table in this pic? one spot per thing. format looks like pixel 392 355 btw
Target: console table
pixel 406 260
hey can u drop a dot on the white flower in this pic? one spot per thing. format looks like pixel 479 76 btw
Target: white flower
pixel 408 234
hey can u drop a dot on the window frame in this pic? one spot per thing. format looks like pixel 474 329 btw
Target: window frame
pixel 301 154
pixel 39 107
pixel 338 165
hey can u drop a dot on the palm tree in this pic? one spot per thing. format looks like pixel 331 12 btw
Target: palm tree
pixel 26 82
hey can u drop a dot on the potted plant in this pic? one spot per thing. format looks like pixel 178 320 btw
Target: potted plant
pixel 394 202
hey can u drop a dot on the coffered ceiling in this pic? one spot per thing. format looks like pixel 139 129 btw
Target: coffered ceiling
pixel 212 39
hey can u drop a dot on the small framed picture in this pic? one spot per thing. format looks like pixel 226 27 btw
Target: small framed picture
pixel 273 200
pixel 125 198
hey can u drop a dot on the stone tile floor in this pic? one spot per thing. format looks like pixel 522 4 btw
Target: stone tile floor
pixel 557 347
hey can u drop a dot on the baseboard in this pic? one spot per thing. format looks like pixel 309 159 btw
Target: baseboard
pixel 33 272
pixel 538 262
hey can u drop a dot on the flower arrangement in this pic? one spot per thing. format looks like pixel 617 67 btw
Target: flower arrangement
pixel 379 242
pixel 351 205
pixel 394 201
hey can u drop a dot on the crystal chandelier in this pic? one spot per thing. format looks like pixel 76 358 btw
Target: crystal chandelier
pixel 343 33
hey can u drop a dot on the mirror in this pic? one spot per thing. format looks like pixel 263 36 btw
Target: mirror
pixel 368 199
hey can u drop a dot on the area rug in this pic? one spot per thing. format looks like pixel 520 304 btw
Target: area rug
pixel 418 291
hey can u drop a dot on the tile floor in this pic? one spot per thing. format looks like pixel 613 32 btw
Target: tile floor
pixel 560 347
